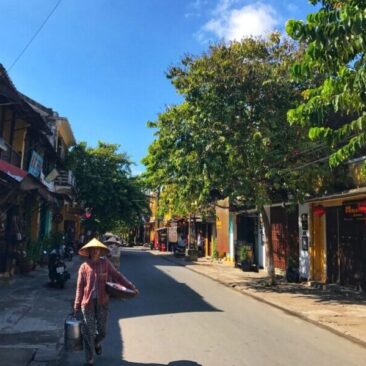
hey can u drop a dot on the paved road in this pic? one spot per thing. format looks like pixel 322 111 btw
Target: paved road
pixel 184 319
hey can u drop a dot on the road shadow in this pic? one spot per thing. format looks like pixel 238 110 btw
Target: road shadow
pixel 111 362
pixel 160 294
pixel 328 294
pixel 154 285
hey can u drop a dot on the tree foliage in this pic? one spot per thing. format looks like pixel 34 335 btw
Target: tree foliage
pixel 105 186
pixel 230 134
pixel 334 108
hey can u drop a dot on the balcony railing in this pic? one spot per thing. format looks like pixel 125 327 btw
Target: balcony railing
pixel 10 155
pixel 65 178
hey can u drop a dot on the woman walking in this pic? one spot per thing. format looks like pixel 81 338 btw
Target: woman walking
pixel 91 296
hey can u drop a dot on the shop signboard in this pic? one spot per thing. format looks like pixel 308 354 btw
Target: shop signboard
pixel 35 165
pixel 351 211
pixel 173 233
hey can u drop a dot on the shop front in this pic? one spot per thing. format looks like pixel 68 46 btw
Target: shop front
pixel 161 242
pixel 339 240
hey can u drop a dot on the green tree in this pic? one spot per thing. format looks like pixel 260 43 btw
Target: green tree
pixel 230 137
pixel 105 186
pixel 334 106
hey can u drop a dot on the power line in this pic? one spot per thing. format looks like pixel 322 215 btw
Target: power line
pixel 35 35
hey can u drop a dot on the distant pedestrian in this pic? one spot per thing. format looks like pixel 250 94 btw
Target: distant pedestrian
pixel 91 296
pixel 200 243
pixel 181 242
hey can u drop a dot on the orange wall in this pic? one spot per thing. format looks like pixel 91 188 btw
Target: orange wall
pixel 222 227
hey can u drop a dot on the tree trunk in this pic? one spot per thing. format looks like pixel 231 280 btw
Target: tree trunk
pixel 268 246
pixel 189 239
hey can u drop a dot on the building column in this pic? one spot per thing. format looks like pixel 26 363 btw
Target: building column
pixel 231 256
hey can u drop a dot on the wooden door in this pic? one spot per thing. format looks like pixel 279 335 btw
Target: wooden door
pixel 278 232
pixel 285 236
pixel 346 248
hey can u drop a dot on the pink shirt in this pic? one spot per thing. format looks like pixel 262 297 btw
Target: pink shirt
pixel 100 271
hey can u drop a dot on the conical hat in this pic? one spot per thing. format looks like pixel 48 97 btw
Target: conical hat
pixel 112 240
pixel 94 243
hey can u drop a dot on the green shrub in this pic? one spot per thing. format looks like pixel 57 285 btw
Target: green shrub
pixel 244 253
pixel 215 253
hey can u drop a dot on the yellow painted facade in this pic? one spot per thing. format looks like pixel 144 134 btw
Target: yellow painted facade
pixel 152 222
pixel 64 131
pixel 318 249
pixel 222 228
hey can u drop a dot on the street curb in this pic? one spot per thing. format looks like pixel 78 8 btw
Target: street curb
pixel 279 307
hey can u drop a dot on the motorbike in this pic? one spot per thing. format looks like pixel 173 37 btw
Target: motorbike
pixel 68 252
pixel 57 272
pixel 67 249
pixel 180 251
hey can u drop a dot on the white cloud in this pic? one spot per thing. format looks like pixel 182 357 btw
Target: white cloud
pixel 231 23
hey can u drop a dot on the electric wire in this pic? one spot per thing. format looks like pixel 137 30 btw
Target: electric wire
pixel 35 35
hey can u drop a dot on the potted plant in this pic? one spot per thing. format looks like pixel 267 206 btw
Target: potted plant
pixel 245 257
pixel 292 270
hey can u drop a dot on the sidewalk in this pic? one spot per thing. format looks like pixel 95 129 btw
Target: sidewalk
pixel 32 317
pixel 336 309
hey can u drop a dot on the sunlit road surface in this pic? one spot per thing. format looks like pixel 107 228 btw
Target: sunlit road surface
pixel 182 318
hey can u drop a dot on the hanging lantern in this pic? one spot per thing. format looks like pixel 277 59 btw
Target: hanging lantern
pixel 88 213
pixel 319 211
pixel 362 207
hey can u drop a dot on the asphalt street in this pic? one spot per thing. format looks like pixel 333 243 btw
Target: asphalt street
pixel 182 318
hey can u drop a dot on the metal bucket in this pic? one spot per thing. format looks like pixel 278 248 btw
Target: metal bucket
pixel 73 338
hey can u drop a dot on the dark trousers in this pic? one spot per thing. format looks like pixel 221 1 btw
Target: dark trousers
pixel 93 326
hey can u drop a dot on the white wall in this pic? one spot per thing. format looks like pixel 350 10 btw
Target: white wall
pixel 304 257
pixel 232 230
pixel 262 239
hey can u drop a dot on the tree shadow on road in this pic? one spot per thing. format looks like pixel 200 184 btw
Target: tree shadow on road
pixel 172 363
pixel 323 294
pixel 160 294
pixel 154 285
pixel 326 294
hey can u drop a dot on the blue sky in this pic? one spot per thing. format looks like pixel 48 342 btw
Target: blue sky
pixel 102 63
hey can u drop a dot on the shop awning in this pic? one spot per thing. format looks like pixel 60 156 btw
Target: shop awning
pixel 12 171
pixel 26 181
pixel 352 194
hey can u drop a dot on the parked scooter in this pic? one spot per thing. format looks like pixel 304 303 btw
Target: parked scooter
pixel 57 272
pixel 180 250
pixel 68 252
pixel 67 249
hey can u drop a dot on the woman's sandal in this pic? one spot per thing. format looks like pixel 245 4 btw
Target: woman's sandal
pixel 98 349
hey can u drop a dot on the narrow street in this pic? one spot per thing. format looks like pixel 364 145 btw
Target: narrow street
pixel 184 319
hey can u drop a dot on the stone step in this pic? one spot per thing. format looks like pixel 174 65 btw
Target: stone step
pixel 31 338
pixel 19 356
